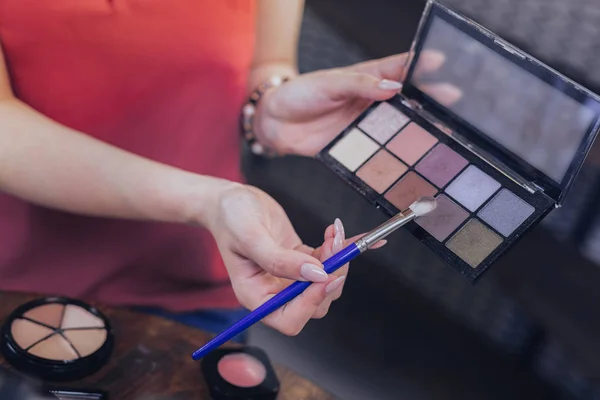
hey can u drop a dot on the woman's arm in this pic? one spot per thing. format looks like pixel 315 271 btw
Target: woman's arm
pixel 277 31
pixel 44 162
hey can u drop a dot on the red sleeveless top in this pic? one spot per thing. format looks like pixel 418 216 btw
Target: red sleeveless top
pixel 161 78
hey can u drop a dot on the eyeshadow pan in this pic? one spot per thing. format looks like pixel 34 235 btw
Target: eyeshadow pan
pixel 411 143
pixel 444 220
pixel 47 314
pixel 86 341
pixel 353 149
pixel 27 333
pixel 441 165
pixel 506 212
pixel 383 122
pixel 77 317
pixel 54 348
pixel 381 171
pixel 408 190
pixel 472 188
pixel 474 242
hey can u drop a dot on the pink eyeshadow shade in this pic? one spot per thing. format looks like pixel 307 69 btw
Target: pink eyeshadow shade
pixel 381 171
pixel 242 370
pixel 411 143
pixel 383 122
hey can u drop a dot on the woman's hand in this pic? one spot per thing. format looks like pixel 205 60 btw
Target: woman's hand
pixel 306 113
pixel 263 254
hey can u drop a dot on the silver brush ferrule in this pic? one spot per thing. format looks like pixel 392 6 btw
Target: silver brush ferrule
pixel 385 229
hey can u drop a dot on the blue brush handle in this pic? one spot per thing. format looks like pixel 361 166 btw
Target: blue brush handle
pixel 331 265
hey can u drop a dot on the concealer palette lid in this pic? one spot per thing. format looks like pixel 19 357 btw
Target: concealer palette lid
pixel 57 339
pixel 525 119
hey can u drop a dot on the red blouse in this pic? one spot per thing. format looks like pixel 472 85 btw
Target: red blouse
pixel 161 78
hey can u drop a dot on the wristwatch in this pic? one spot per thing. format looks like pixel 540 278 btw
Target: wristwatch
pixel 247 118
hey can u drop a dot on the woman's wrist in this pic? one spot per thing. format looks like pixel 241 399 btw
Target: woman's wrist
pixel 261 132
pixel 203 202
pixel 265 128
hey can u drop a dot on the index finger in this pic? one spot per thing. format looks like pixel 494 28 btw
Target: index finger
pixel 395 67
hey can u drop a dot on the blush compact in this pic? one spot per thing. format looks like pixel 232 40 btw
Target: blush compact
pixel 240 374
pixel 57 339
pixel 495 135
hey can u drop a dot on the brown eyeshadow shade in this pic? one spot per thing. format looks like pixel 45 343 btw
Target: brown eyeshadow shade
pixel 77 317
pixel 86 341
pixel 54 348
pixel 27 333
pixel 48 314
pixel 474 242
pixel 381 171
pixel 408 190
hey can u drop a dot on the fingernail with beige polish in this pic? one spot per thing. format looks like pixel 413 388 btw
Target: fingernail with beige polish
pixel 386 84
pixel 334 285
pixel 379 244
pixel 339 227
pixel 312 273
pixel 338 243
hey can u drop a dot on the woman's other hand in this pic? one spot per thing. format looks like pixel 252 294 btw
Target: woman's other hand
pixel 304 114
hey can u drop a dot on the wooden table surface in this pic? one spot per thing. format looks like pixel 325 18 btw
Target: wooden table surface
pixel 152 359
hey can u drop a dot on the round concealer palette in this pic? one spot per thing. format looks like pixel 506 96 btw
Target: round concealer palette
pixel 59 332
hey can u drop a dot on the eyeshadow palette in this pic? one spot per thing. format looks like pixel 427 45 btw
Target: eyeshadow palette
pixel 468 149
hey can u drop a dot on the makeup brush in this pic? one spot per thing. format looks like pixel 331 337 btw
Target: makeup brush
pixel 420 207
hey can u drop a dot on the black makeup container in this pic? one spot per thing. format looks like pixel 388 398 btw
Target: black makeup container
pixel 240 374
pixel 57 339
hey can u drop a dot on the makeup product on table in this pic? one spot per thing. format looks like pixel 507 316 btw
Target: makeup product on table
pixel 57 339
pixel 76 394
pixel 242 374
pixel 419 208
pixel 14 386
pixel 495 135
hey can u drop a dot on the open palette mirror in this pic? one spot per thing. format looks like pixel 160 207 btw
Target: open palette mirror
pixel 497 136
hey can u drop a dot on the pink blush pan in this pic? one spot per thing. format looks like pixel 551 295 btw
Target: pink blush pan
pixel 242 370
pixel 243 373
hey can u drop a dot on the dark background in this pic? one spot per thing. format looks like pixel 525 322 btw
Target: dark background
pixel 409 327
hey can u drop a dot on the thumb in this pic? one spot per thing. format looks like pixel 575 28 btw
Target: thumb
pixel 344 85
pixel 285 263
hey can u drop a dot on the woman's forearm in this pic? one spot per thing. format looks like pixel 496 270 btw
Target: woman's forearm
pixel 277 32
pixel 49 164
